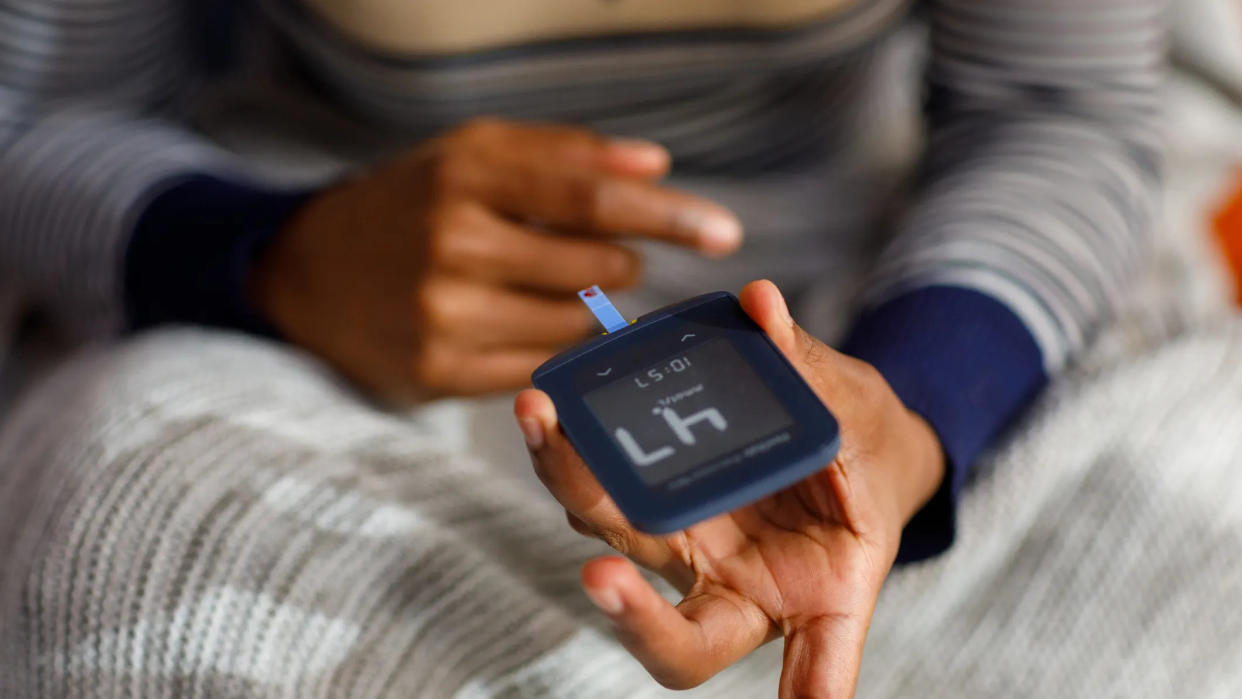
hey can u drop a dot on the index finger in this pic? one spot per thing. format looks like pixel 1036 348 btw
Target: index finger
pixel 681 646
pixel 607 205
pixel 713 627
pixel 575 147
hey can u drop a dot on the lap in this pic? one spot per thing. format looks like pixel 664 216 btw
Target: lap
pixel 198 513
pixel 193 513
pixel 1100 550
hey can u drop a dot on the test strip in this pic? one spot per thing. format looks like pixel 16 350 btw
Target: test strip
pixel 608 316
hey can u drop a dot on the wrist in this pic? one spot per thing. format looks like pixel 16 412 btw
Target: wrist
pixel 925 468
pixel 191 251
pixel 262 289
pixel 967 365
pixel 276 282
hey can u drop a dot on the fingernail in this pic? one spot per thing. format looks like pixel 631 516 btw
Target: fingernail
pixel 532 430
pixel 720 233
pixel 640 153
pixel 607 599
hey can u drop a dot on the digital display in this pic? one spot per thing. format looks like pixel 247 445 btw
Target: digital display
pixel 687 410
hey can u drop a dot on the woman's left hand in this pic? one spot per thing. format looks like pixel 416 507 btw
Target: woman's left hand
pixel 806 563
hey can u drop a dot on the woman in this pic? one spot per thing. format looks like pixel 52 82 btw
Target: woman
pixel 172 163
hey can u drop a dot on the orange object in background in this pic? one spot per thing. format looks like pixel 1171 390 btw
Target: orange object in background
pixel 1228 227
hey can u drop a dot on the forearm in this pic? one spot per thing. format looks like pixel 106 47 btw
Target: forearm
pixel 1043 165
pixel 1036 209
pixel 74 187
pixel 90 135
pixel 192 251
pixel 1051 215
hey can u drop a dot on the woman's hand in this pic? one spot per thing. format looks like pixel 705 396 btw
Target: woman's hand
pixel 452 269
pixel 806 563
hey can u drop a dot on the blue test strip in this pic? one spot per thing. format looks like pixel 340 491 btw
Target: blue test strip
pixel 603 309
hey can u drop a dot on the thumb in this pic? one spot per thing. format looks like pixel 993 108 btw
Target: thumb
pixel 823 656
pixel 846 385
pixel 765 305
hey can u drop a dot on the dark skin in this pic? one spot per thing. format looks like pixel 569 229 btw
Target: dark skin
pixel 806 563
pixel 453 269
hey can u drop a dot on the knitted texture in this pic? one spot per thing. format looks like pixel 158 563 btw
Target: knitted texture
pixel 202 515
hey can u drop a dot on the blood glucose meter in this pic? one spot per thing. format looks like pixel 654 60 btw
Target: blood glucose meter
pixel 687 412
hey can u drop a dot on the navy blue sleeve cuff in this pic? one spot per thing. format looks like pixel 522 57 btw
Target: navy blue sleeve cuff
pixel 191 252
pixel 968 365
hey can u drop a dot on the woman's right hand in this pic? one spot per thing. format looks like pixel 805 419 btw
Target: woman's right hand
pixel 453 268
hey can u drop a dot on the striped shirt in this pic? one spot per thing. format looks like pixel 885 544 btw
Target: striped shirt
pixel 1032 211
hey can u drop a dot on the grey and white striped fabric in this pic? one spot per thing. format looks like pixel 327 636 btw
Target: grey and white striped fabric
pixel 200 515
pixel 1042 164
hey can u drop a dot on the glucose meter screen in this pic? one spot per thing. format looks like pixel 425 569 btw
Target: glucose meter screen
pixel 689 409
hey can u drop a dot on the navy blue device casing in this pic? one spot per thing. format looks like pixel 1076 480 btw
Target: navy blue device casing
pixel 663 509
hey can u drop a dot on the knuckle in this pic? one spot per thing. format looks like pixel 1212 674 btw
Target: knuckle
pixel 433 307
pixel 581 144
pixel 621 541
pixel 584 198
pixel 440 231
pixel 578 525
pixel 427 366
pixel 451 170
pixel 451 225
pixel 620 266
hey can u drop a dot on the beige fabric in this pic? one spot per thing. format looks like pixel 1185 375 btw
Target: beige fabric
pixel 452 26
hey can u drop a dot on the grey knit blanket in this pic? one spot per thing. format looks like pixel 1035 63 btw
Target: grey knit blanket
pixel 201 515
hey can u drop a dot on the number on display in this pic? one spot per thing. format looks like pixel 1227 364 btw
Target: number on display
pixel 675 366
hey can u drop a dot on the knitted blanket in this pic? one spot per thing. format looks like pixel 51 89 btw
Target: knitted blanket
pixel 202 515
